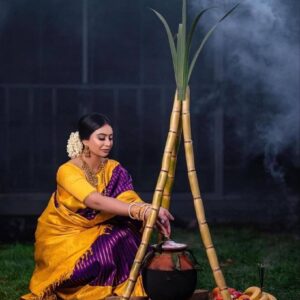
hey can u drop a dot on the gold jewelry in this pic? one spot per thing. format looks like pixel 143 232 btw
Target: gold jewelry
pixel 91 177
pixel 162 221
pixel 133 211
pixel 86 151
pixel 142 209
pixel 138 212
pixel 144 212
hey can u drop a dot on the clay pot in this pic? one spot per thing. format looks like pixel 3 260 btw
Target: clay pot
pixel 169 273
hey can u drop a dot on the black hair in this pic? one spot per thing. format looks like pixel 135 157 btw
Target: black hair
pixel 87 124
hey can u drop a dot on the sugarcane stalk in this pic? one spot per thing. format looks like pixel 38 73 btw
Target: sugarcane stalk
pixel 182 72
pixel 198 203
pixel 171 174
pixel 157 198
pixel 167 192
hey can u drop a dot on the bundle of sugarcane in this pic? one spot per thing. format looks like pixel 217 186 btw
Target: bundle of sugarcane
pixel 180 123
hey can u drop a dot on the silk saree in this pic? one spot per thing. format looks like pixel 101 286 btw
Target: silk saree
pixel 81 253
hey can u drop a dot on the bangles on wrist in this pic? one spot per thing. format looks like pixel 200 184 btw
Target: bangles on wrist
pixel 143 214
pixel 137 211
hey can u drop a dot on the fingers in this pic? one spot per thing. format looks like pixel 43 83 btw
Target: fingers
pixel 165 214
pixel 170 217
pixel 164 229
pixel 164 226
pixel 163 221
pixel 168 214
pixel 164 218
pixel 167 229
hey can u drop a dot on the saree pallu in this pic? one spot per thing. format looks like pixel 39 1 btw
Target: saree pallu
pixel 81 253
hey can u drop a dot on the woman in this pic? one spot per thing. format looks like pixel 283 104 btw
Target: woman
pixel 88 235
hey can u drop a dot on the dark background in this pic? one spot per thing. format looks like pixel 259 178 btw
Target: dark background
pixel 62 59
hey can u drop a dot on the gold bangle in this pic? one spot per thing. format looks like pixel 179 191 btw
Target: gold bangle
pixel 131 205
pixel 136 212
pixel 142 208
pixel 144 212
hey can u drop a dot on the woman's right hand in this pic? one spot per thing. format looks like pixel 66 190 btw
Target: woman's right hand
pixel 163 221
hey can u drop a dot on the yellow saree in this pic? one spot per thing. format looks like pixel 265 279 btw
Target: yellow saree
pixel 81 253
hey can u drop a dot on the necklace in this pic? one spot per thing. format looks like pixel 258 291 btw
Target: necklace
pixel 91 177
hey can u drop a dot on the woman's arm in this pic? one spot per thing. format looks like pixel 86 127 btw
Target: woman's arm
pixel 108 204
pixel 111 205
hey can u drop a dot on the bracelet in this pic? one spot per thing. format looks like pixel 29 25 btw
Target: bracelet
pixel 138 212
pixel 142 209
pixel 144 212
pixel 134 215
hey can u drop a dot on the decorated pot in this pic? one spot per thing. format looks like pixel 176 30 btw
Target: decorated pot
pixel 169 272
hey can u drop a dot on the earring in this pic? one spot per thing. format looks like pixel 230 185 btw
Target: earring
pixel 86 151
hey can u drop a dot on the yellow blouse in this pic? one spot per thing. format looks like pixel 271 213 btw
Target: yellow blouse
pixel 73 188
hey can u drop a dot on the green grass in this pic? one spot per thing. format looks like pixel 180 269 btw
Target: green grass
pixel 239 251
pixel 16 266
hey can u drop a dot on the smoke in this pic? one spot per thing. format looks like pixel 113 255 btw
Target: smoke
pixel 272 165
pixel 261 40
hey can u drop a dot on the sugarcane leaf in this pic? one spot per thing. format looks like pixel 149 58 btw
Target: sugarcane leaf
pixel 184 54
pixel 199 50
pixel 170 38
pixel 183 13
pixel 179 56
pixel 194 25
pixel 229 12
pixel 183 20
pixel 180 62
pixel 206 38
pixel 185 71
pixel 189 42
pixel 175 37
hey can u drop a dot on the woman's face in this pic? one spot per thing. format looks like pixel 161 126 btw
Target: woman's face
pixel 100 141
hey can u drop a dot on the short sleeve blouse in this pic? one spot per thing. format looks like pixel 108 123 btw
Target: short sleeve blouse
pixel 72 186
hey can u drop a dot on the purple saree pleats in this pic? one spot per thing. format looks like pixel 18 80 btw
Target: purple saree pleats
pixel 120 182
pixel 110 259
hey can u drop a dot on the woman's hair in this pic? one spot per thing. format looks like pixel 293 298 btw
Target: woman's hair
pixel 89 123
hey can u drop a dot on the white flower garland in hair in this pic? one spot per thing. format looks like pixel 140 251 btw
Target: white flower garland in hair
pixel 74 146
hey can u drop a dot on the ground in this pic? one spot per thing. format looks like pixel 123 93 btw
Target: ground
pixel 240 250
